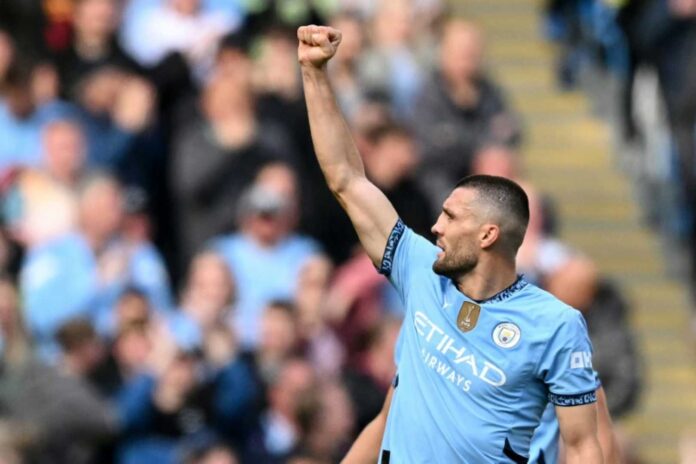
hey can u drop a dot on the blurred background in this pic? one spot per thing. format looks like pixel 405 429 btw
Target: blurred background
pixel 177 284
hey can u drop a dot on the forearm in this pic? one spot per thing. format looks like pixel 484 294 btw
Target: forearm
pixel 586 452
pixel 366 447
pixel 333 143
pixel 605 431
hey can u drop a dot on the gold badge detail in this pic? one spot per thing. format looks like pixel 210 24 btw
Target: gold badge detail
pixel 468 316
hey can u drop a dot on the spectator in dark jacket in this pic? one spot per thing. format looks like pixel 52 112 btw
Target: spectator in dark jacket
pixel 67 418
pixel 217 154
pixel 460 109
pixel 94 45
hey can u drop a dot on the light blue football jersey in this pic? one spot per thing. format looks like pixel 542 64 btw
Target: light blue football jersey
pixel 476 396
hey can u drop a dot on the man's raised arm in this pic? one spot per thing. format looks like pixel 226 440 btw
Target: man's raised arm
pixel 371 213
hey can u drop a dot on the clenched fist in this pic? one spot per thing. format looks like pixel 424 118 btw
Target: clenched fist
pixel 317 45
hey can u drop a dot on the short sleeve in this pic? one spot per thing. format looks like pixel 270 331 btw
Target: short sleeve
pixel 566 364
pixel 404 255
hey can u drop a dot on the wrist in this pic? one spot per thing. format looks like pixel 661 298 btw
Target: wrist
pixel 311 70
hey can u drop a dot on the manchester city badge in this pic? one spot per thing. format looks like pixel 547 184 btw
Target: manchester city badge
pixel 506 335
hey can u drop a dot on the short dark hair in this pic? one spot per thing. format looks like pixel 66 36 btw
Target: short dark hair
pixel 74 334
pixel 508 198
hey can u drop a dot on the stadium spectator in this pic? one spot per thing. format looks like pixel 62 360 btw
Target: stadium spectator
pixel 356 302
pixel 67 420
pixel 391 161
pixel 238 394
pixel 331 425
pixel 64 152
pixel 26 106
pixel 115 110
pixel 312 286
pixel 94 46
pixel 120 263
pixel 89 269
pixel 346 70
pixel 278 340
pixel 291 395
pixel 180 26
pixel 369 378
pixel 206 301
pixel 40 208
pixel 132 308
pixel 81 349
pixel 459 110
pixel 390 66
pixel 217 153
pixel 126 359
pixel 266 245
pixel 164 415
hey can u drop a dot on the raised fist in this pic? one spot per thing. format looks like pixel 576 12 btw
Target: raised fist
pixel 317 45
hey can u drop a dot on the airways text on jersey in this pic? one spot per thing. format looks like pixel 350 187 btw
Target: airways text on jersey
pixel 453 362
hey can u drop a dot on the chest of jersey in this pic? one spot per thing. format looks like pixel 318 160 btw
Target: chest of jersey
pixel 485 350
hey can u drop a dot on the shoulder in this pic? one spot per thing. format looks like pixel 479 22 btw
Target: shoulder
pixel 146 250
pixel 303 243
pixel 225 244
pixel 403 239
pixel 549 312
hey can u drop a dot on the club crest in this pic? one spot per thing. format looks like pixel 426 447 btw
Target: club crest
pixel 506 335
pixel 468 316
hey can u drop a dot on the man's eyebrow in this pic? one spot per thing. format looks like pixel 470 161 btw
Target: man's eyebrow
pixel 447 211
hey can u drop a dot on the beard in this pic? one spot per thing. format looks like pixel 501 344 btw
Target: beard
pixel 453 266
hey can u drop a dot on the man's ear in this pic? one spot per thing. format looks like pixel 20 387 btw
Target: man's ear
pixel 489 235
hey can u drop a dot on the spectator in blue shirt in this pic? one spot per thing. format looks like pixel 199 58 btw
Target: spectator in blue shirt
pixel 83 273
pixel 120 262
pixel 266 257
pixel 23 115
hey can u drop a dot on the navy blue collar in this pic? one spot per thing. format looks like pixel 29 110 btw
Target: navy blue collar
pixel 504 294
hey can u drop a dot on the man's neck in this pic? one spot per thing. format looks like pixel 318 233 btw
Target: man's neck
pixel 486 281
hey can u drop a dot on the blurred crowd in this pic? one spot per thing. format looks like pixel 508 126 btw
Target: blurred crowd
pixel 177 284
pixel 647 47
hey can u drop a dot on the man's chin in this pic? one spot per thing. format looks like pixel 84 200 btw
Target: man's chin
pixel 452 272
pixel 440 268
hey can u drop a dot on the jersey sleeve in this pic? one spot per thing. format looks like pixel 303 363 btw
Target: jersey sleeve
pixel 565 367
pixel 405 254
